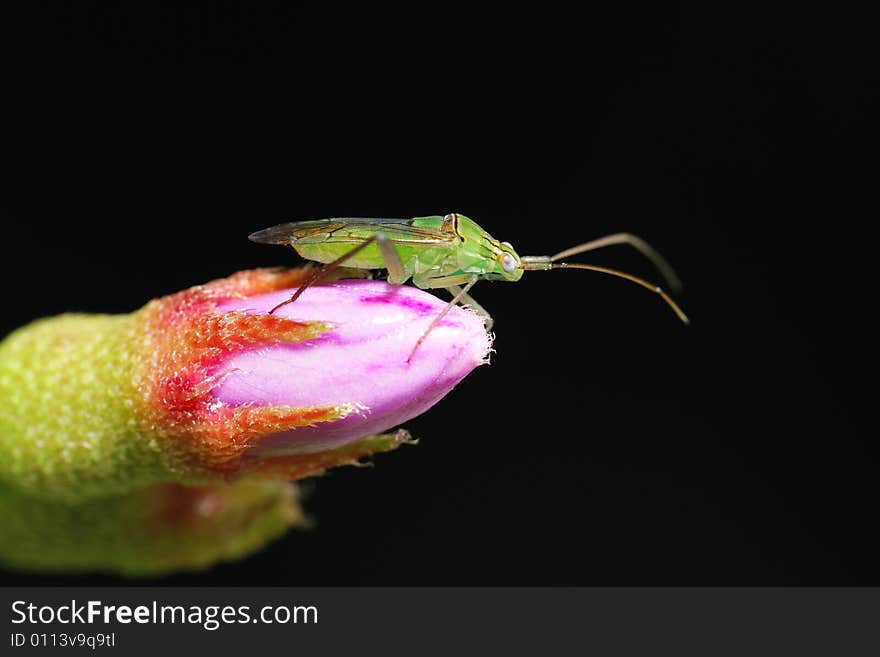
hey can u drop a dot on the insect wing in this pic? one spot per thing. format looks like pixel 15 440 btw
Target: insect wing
pixel 351 230
pixel 294 231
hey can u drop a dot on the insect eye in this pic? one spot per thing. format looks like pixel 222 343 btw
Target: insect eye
pixel 508 262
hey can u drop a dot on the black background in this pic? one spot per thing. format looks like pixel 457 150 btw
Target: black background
pixel 607 443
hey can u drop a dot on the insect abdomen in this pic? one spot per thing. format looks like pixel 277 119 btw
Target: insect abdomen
pixel 369 258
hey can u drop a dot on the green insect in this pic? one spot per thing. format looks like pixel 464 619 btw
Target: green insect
pixel 438 252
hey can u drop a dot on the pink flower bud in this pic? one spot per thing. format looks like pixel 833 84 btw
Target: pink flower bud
pixel 360 365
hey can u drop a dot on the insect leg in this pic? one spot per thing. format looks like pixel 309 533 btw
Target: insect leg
pixel 634 241
pixel 321 272
pixel 396 273
pixel 423 282
pixel 451 283
pixel 467 300
pixel 461 293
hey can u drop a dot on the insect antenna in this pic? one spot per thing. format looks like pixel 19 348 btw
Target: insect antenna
pixel 622 274
pixel 638 244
